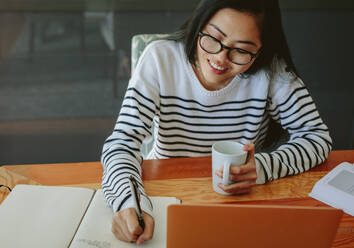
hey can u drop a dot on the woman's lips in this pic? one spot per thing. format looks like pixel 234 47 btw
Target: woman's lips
pixel 216 68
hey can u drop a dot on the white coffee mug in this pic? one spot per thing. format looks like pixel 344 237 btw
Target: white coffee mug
pixel 227 154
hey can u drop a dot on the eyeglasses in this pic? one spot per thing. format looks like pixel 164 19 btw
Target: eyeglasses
pixel 1 185
pixel 236 55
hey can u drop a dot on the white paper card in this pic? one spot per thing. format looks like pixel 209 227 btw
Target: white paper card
pixel 337 188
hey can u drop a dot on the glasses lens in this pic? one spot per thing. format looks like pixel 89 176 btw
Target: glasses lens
pixel 209 44
pixel 212 45
pixel 239 57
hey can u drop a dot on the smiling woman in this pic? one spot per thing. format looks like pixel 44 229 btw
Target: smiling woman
pixel 225 75
pixel 217 64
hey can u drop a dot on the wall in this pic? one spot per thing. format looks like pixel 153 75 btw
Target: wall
pixel 60 102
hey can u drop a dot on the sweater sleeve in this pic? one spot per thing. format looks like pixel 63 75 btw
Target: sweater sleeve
pixel 121 156
pixel 291 105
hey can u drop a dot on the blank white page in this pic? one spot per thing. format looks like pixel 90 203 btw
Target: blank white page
pixel 42 216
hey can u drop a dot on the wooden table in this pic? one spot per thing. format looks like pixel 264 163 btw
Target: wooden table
pixel 188 179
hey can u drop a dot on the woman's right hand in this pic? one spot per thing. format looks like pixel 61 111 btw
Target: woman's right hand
pixel 125 226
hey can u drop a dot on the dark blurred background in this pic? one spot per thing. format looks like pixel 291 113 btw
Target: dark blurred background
pixel 64 69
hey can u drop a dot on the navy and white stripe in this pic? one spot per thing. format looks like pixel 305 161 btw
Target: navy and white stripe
pixel 189 119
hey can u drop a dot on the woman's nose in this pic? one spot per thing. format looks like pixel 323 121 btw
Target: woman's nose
pixel 222 56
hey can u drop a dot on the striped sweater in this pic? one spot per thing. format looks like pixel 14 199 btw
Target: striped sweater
pixel 189 119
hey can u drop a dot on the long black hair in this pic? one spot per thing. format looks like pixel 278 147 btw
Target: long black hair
pixel 274 44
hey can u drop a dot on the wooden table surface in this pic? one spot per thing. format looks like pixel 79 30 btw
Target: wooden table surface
pixel 188 179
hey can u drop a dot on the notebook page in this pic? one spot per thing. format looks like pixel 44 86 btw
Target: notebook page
pixel 95 229
pixel 42 216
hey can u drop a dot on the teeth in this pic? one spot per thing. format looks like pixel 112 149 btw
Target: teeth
pixel 217 67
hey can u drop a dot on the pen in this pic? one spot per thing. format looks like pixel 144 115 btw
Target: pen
pixel 136 199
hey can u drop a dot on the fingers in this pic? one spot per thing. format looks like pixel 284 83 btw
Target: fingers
pixel 148 231
pixel 118 229
pixel 240 173
pixel 248 170
pixel 133 229
pixel 125 225
pixel 242 169
pixel 250 149
pixel 244 176
pixel 238 188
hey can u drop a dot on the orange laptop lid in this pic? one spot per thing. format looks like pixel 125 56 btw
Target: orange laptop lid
pixel 244 226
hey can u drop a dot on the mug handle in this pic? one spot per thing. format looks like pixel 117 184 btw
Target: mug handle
pixel 225 175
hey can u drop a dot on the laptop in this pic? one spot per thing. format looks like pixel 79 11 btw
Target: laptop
pixel 246 226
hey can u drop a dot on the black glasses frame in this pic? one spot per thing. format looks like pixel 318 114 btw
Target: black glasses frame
pixel 229 49
pixel 1 185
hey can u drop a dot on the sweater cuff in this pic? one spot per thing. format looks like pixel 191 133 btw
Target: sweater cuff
pixel 261 177
pixel 146 205
pixel 129 203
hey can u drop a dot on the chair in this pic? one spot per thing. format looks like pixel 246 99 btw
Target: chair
pixel 139 42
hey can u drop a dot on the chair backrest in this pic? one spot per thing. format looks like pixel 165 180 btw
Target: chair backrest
pixel 139 42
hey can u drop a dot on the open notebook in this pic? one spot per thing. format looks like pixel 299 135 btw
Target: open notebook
pixel 59 217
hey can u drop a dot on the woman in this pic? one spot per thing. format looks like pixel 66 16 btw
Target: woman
pixel 224 76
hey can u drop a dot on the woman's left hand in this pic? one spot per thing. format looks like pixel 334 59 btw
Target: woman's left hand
pixel 244 176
